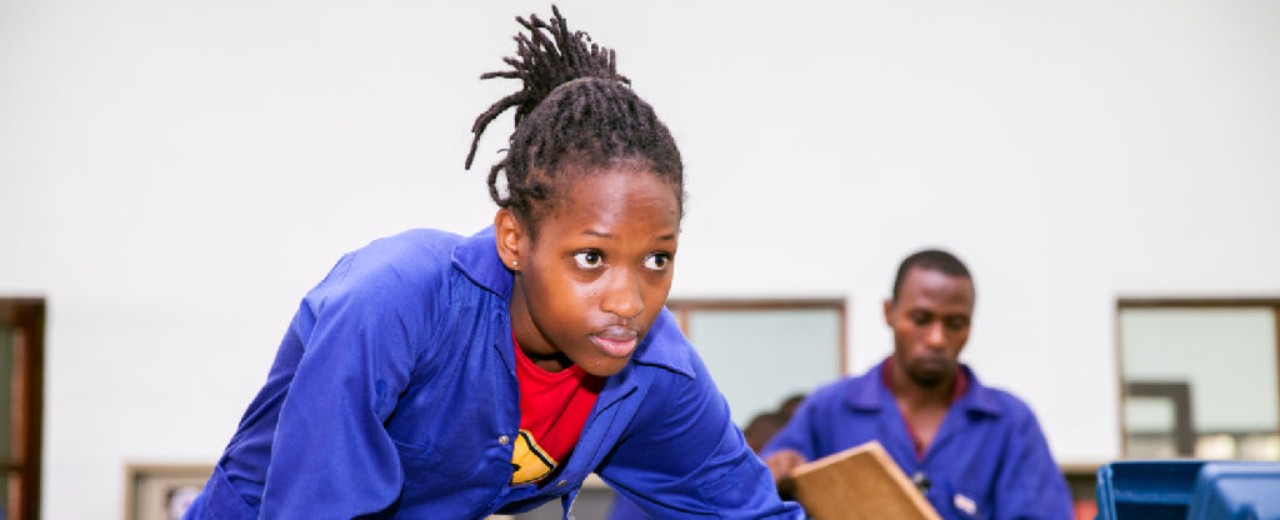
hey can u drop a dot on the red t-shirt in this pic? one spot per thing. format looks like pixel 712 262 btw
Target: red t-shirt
pixel 553 409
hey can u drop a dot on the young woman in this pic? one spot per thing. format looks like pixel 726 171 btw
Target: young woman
pixel 437 376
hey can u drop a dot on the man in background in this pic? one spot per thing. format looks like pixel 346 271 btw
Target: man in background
pixel 974 451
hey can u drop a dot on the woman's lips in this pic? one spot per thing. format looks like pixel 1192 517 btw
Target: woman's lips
pixel 617 342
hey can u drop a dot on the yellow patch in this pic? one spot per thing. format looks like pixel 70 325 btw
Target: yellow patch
pixel 528 462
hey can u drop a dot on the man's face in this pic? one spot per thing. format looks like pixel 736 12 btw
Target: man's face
pixel 593 282
pixel 930 321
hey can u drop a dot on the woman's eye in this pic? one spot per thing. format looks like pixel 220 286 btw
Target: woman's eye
pixel 588 259
pixel 657 261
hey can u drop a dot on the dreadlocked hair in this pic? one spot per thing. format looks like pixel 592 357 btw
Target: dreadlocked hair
pixel 574 110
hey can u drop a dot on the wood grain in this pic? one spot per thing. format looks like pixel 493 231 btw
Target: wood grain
pixel 860 483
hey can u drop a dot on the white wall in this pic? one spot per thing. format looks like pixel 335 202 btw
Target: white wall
pixel 174 175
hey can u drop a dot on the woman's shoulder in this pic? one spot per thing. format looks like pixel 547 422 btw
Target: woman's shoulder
pixel 410 263
pixel 412 250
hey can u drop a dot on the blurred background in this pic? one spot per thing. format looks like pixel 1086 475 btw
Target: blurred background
pixel 174 176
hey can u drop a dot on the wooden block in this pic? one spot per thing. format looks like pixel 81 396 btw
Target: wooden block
pixel 860 483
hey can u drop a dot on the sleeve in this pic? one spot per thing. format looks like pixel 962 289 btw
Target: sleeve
pixel 331 456
pixel 684 458
pixel 1030 484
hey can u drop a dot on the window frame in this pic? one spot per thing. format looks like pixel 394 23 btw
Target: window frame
pixel 682 307
pixel 1128 303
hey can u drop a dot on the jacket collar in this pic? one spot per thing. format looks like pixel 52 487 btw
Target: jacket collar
pixel 869 393
pixel 477 258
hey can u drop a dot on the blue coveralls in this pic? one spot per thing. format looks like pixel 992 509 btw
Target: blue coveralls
pixel 393 394
pixel 988 460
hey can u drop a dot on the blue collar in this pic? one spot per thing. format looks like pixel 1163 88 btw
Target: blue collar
pixel 868 393
pixel 477 258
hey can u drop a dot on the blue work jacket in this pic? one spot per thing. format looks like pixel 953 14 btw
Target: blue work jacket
pixel 988 460
pixel 394 395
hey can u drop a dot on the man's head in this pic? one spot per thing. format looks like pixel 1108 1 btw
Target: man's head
pixel 762 428
pixel 930 313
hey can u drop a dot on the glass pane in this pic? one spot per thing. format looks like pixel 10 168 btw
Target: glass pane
pixel 1150 425
pixel 1221 360
pixel 9 377
pixel 758 358
pixel 166 493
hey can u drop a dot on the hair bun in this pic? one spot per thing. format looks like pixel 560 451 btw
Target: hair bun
pixel 548 57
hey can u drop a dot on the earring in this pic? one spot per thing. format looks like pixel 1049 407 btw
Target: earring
pixel 515 263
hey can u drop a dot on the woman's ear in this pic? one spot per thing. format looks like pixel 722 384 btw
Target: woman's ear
pixel 510 238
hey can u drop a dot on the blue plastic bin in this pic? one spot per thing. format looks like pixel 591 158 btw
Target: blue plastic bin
pixel 1189 489
pixel 1146 490
pixel 1237 491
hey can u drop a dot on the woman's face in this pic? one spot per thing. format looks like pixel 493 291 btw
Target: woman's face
pixel 597 275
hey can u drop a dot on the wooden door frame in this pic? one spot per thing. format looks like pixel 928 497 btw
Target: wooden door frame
pixel 27 316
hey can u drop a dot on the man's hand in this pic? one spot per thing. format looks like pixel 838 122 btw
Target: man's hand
pixel 780 464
